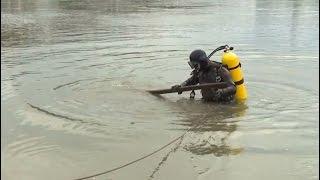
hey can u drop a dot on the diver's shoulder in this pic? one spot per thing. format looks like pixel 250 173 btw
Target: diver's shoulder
pixel 214 64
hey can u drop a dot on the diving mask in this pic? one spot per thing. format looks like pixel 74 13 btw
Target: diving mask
pixel 193 65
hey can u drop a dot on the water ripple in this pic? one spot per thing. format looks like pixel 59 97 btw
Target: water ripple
pixel 30 147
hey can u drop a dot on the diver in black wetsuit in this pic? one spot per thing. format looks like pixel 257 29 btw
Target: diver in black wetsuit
pixel 206 71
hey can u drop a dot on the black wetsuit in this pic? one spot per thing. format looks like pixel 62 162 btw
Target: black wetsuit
pixel 213 73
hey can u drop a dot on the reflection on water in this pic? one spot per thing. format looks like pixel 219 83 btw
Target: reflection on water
pixel 84 66
pixel 211 124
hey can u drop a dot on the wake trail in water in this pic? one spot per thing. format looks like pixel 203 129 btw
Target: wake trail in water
pixel 165 158
pixel 64 117
pixel 70 83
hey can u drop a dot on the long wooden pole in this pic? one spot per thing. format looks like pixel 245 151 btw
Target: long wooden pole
pixel 189 88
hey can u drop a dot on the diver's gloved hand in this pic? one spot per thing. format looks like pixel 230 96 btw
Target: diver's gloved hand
pixel 177 87
pixel 219 93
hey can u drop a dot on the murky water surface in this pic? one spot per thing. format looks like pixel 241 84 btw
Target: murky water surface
pixel 74 75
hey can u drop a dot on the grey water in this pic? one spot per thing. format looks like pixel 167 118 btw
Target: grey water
pixel 74 76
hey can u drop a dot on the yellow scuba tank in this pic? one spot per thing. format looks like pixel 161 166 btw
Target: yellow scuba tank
pixel 231 60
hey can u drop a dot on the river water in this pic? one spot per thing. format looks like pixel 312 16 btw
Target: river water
pixel 74 76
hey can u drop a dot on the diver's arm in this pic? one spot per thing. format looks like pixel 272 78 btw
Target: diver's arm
pixel 193 80
pixel 226 77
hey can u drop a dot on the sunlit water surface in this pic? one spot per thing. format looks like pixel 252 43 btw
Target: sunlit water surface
pixel 74 76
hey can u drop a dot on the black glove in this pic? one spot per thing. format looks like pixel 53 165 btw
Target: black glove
pixel 177 87
pixel 219 93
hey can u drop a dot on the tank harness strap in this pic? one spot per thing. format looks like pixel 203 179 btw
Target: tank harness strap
pixel 239 65
pixel 239 82
pixel 219 69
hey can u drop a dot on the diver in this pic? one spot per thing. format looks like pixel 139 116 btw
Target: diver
pixel 206 71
